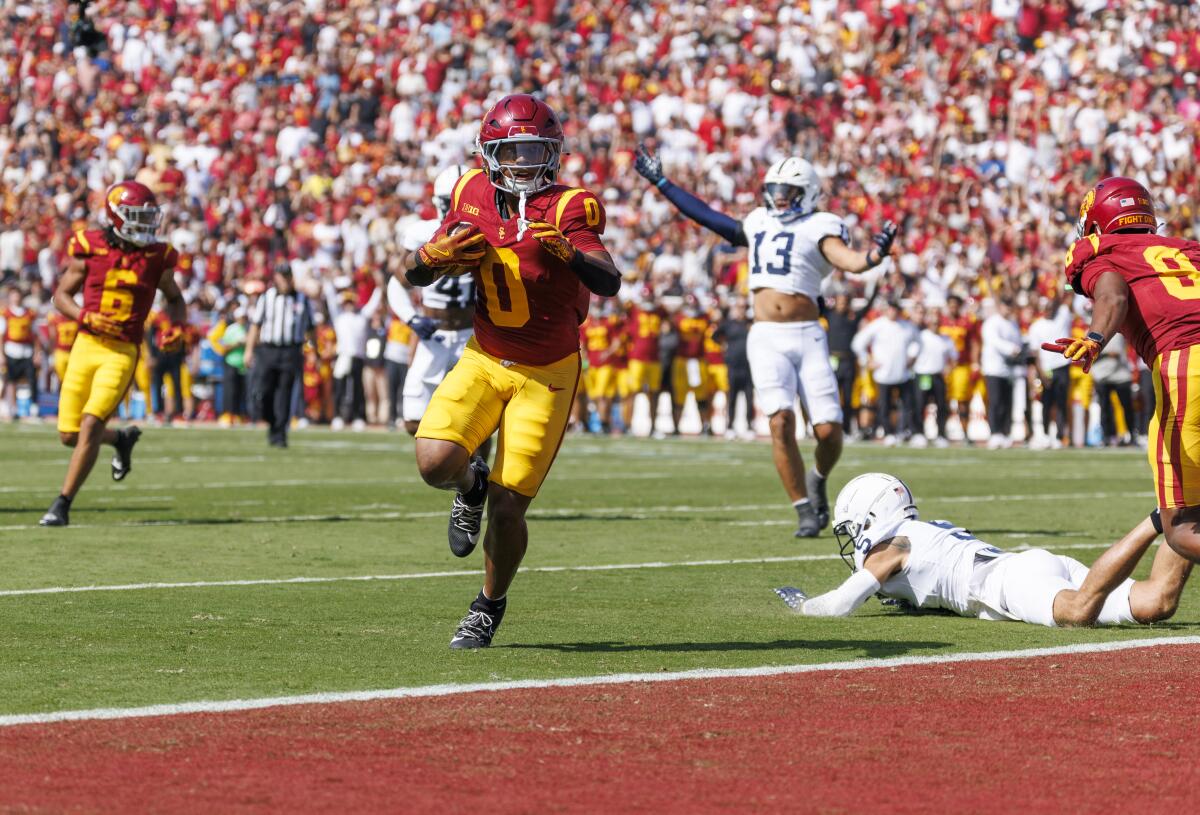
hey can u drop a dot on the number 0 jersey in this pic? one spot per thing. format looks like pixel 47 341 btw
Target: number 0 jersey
pixel 528 303
pixel 1164 285
pixel 120 284
pixel 446 292
pixel 786 254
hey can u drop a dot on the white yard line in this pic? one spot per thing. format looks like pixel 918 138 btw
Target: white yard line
pixel 426 691
pixel 639 513
pixel 367 578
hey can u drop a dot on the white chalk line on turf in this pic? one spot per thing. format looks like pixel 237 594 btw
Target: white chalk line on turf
pixel 427 691
pixel 628 513
pixel 384 578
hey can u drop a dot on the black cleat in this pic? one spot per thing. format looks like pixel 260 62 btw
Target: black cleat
pixel 122 460
pixel 479 626
pixel 819 497
pixel 466 518
pixel 809 525
pixel 58 514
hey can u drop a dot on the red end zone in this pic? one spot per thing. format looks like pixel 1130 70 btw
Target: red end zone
pixel 1081 733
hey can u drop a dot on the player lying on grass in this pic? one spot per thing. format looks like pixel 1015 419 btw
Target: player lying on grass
pixel 937 565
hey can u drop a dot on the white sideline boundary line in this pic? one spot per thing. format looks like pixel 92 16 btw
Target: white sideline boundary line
pixel 382 578
pixel 428 691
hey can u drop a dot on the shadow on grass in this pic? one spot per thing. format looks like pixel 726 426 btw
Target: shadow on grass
pixel 863 648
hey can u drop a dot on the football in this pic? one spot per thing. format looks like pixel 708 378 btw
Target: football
pixel 459 269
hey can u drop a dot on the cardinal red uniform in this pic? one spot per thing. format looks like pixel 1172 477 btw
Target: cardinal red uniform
pixel 645 330
pixel 689 373
pixel 1163 324
pixel 597 335
pixel 119 284
pixel 520 370
pixel 963 331
pixel 63 330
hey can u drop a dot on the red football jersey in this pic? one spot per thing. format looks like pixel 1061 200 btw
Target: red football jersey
pixel 1164 285
pixel 120 284
pixel 963 332
pixel 714 351
pixel 63 329
pixel 528 303
pixel 18 328
pixel 620 354
pixel 597 338
pixel 691 336
pixel 645 329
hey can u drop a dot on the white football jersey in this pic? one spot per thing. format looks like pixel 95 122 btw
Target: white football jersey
pixel 786 254
pixel 940 565
pixel 446 292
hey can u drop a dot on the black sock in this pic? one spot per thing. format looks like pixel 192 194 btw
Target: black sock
pixel 485 604
pixel 64 498
pixel 478 492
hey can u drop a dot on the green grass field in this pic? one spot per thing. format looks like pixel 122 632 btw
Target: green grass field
pixel 219 505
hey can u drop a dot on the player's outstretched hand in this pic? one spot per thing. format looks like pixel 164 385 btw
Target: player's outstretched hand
pixel 98 323
pixel 462 244
pixel 793 597
pixel 424 327
pixel 1080 350
pixel 885 238
pixel 648 165
pixel 553 240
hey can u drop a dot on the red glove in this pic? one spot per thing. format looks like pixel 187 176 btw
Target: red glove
pixel 100 324
pixel 1080 350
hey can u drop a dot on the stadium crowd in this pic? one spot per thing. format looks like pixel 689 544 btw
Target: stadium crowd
pixel 309 133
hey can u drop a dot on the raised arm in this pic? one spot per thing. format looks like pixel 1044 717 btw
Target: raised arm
pixel 842 256
pixel 649 167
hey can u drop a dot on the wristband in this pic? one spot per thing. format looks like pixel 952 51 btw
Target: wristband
pixel 1156 519
pixel 662 182
pixel 1095 336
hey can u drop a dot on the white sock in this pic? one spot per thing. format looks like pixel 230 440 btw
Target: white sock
pixel 803 502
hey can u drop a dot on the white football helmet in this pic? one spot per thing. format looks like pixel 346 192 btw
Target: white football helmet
pixel 795 178
pixel 869 499
pixel 443 187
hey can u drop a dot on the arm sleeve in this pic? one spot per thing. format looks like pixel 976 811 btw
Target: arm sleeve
pixel 399 300
pixel 700 212
pixel 842 601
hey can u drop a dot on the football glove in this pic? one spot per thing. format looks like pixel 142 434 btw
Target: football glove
pixel 648 166
pixel 1080 350
pixel 424 327
pixel 98 323
pixel 883 241
pixel 793 597
pixel 553 241
pixel 457 246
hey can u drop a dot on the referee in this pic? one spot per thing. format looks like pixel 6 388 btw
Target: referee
pixel 281 321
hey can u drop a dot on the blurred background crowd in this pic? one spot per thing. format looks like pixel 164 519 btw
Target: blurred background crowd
pixel 309 133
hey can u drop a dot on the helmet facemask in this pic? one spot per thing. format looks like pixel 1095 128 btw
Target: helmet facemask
pixel 139 224
pixel 800 201
pixel 522 164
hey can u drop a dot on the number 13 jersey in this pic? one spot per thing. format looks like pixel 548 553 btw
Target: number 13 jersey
pixel 528 303
pixel 785 254
pixel 1164 284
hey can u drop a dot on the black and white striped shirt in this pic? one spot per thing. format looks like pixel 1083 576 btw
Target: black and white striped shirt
pixel 282 319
